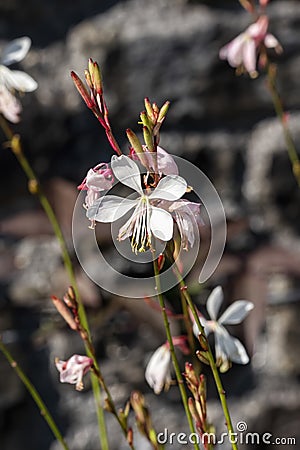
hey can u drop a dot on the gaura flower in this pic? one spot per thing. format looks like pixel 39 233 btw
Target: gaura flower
pixel 73 370
pixel 242 51
pixel 227 347
pixel 97 181
pixel 146 219
pixel 14 80
pixel 158 370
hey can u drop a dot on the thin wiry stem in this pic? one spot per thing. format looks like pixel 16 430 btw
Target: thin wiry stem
pixel 282 116
pixel 35 188
pixel 173 354
pixel 35 395
pixel 211 360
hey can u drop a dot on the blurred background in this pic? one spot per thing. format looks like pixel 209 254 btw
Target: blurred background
pixel 165 50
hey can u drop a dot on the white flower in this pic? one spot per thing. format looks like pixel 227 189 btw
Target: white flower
pixel 14 80
pixel 146 219
pixel 158 370
pixel 227 347
pixel 187 216
pixel 73 370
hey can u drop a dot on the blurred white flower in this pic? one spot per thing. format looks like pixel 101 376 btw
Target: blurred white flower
pixel 73 370
pixel 14 80
pixel 227 347
pixel 158 370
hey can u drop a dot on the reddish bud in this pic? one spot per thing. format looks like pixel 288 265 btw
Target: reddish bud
pixel 64 312
pixel 160 261
pixel 130 437
pixel 82 90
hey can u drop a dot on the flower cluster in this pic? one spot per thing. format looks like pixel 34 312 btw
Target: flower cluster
pixel 12 81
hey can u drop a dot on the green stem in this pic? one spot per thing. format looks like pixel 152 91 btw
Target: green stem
pixel 35 395
pixel 277 103
pixel 173 354
pixel 215 372
pixel 97 375
pixel 34 188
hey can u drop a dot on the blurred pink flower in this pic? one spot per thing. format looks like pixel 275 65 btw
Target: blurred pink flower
pixel 242 51
pixel 73 370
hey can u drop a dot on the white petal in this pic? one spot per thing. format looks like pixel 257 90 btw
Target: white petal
pixel 16 79
pixel 171 188
pixel 127 172
pixel 16 50
pixel 158 372
pixel 70 376
pixel 271 42
pixel 205 323
pixel 109 208
pixel 21 81
pixel 236 312
pixel 161 224
pixel 233 348
pixel 98 181
pixel 166 163
pixel 10 107
pixel 187 217
pixel 233 51
pixel 214 302
pixel 249 56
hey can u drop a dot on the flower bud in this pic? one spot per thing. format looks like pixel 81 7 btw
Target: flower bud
pixel 82 90
pixel 203 357
pixel 145 120
pixel 150 112
pixel 70 298
pixel 190 375
pixel 134 141
pixel 97 79
pixel 148 139
pixel 163 112
pixel 138 405
pixel 130 437
pixel 203 341
pixel 160 261
pixel 64 312
pixel 88 79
